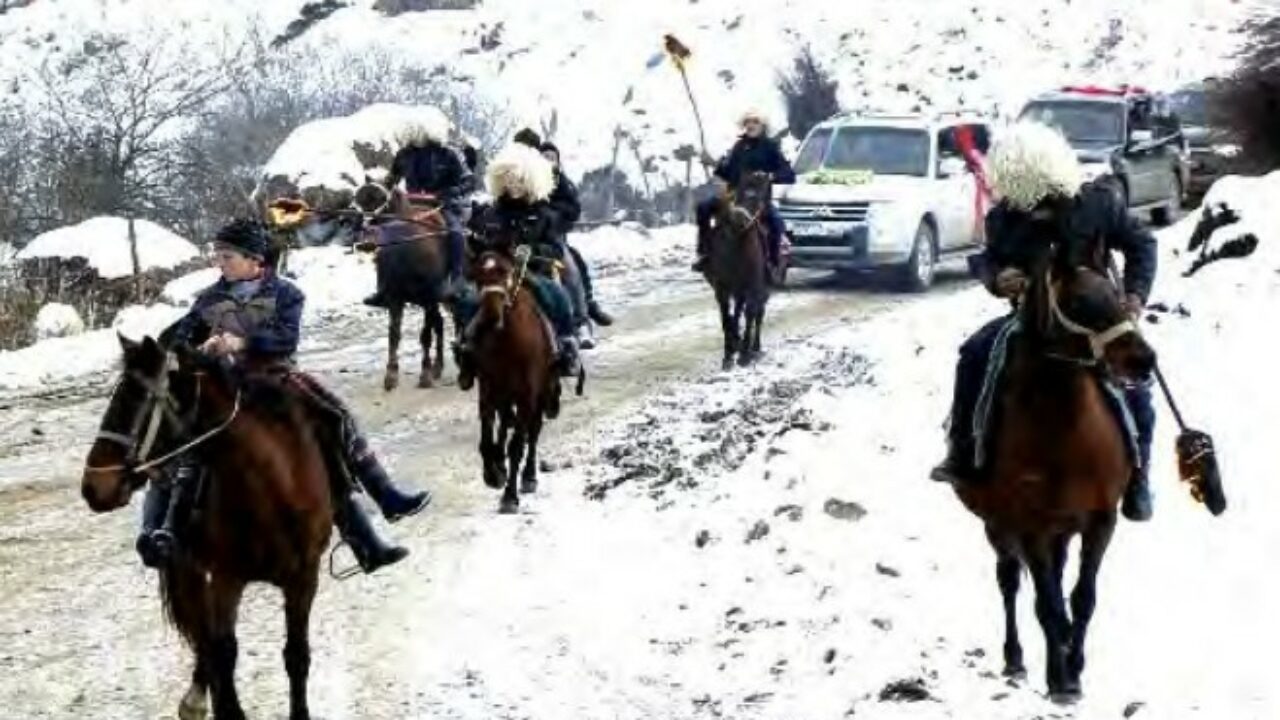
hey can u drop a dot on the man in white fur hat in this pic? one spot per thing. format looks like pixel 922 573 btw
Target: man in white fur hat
pixel 755 151
pixel 430 168
pixel 1037 179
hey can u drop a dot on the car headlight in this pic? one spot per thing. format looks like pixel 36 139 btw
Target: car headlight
pixel 1226 150
pixel 1095 170
pixel 891 221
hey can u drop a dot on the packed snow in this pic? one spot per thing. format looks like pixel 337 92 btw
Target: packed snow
pixel 55 320
pixel 104 243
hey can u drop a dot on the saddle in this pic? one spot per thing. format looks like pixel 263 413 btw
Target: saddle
pixel 986 420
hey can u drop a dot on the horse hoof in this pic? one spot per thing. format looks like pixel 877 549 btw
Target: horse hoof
pixel 1015 672
pixel 437 371
pixel 1065 697
pixel 529 487
pixel 727 364
pixel 746 359
pixel 425 382
pixel 509 506
pixel 390 382
pixel 190 709
pixel 494 480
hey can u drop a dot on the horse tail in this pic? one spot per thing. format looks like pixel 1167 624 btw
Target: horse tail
pixel 182 589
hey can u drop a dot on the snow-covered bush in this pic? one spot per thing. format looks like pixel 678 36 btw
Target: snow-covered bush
pixel 1248 102
pixel 57 320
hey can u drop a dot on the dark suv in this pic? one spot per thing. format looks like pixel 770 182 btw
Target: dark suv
pixel 1126 133
pixel 1211 149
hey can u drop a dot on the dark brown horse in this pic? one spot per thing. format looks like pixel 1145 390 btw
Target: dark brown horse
pixel 519 383
pixel 736 268
pixel 1059 462
pixel 264 516
pixel 412 260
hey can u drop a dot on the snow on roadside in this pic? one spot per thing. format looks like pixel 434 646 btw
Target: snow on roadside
pixel 611 250
pixel 809 568
pixel 104 243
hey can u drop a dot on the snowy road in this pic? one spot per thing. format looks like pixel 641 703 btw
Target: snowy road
pixel 80 630
pixel 757 544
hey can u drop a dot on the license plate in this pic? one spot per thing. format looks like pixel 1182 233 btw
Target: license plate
pixel 818 229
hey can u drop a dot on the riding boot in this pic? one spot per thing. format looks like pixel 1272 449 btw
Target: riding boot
pixel 394 503
pixel 570 362
pixel 376 300
pixel 958 466
pixel 1137 505
pixel 371 551
pixel 704 241
pixel 155 537
pixel 597 314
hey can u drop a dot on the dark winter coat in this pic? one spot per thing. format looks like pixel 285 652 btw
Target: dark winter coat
pixel 1011 238
pixel 270 320
pixel 564 201
pixel 750 155
pixel 434 169
pixel 507 222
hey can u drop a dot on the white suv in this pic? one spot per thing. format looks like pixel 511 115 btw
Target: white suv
pixel 884 192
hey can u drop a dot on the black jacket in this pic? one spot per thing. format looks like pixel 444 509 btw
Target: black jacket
pixel 432 168
pixel 1012 238
pixel 755 155
pixel 564 201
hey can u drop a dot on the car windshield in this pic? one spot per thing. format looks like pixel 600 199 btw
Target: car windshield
pixel 883 151
pixel 1082 122
pixel 1190 107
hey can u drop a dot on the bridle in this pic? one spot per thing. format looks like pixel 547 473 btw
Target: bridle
pixel 159 406
pixel 1098 340
pixel 510 288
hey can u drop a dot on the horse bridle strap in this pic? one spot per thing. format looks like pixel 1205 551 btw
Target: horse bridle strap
pixel 1098 341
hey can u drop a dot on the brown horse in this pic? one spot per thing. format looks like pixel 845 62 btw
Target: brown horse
pixel 265 514
pixel 736 268
pixel 1059 462
pixel 517 374
pixel 412 264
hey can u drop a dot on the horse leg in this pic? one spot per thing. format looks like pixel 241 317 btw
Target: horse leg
pixel 529 482
pixel 297 649
pixel 425 378
pixel 195 702
pixel 223 648
pixel 437 326
pixel 490 451
pixel 1093 545
pixel 515 453
pixel 738 336
pixel 1009 576
pixel 395 319
pixel 751 336
pixel 726 326
pixel 1051 610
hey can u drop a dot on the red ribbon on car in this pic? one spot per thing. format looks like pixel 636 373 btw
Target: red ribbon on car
pixel 982 196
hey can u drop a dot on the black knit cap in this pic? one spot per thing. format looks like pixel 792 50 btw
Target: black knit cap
pixel 246 236
pixel 529 137
pixel 549 146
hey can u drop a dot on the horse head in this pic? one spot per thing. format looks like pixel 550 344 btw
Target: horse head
pixel 495 275
pixel 750 200
pixel 144 416
pixel 1077 312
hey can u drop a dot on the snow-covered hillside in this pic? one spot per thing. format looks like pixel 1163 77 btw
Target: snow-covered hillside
pixel 593 65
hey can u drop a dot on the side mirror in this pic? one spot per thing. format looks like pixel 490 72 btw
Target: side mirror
pixel 951 167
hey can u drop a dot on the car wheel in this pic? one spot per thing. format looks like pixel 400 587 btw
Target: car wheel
pixel 917 274
pixel 1168 213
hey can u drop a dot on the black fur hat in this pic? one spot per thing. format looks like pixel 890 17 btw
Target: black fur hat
pixel 246 236
pixel 528 137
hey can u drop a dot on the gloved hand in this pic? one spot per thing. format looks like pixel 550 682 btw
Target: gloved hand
pixel 1011 282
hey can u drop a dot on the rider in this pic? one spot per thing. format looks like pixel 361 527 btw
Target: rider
pixel 564 200
pixel 755 151
pixel 521 182
pixel 429 166
pixel 252 318
pixel 1037 179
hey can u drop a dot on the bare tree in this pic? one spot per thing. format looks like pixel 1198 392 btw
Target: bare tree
pixel 1248 102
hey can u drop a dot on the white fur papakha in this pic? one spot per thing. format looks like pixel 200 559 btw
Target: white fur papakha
pixel 426 125
pixel 520 172
pixel 1031 161
pixel 753 114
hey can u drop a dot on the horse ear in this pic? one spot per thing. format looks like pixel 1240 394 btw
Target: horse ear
pixel 127 345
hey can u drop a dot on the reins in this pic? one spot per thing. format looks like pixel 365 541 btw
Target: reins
pixel 162 403
pixel 1098 341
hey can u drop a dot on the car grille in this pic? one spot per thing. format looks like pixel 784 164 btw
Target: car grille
pixel 791 210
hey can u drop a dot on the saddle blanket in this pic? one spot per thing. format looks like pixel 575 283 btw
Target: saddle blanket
pixel 983 416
